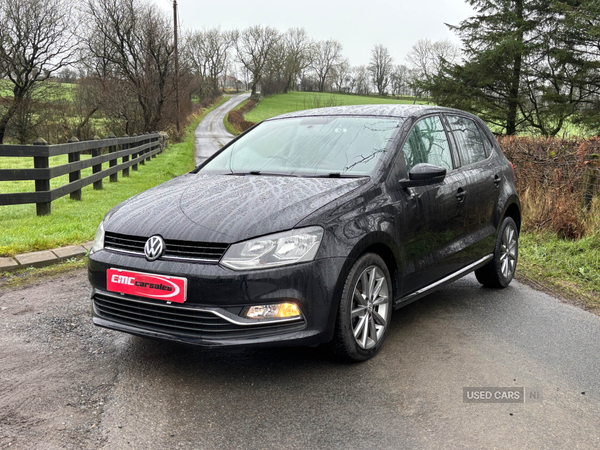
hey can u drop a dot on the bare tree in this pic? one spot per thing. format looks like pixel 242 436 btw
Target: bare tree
pixel 253 46
pixel 207 53
pixel 380 67
pixel 399 79
pixel 341 76
pixel 325 56
pixel 36 41
pixel 274 78
pixel 360 80
pixel 298 53
pixel 86 101
pixel 427 57
pixel 134 40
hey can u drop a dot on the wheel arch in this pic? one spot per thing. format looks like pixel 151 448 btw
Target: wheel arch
pixel 513 210
pixel 379 243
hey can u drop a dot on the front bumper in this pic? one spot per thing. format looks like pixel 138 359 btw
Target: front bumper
pixel 216 297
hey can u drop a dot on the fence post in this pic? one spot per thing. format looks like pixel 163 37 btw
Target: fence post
pixel 114 177
pixel 134 155
pixel 125 158
pixel 75 175
pixel 153 140
pixel 98 167
pixel 42 162
pixel 147 141
pixel 142 152
pixel 589 180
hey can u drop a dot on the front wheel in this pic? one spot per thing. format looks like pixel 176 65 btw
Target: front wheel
pixel 365 310
pixel 500 271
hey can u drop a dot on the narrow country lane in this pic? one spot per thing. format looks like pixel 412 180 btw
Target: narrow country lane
pixel 67 384
pixel 211 134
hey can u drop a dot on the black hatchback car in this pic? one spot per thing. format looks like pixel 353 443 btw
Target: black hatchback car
pixel 311 228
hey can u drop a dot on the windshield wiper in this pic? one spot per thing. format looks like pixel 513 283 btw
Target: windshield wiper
pixel 259 172
pixel 337 175
pixel 278 174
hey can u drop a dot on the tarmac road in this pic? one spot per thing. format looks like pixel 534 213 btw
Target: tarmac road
pixel 67 384
pixel 211 134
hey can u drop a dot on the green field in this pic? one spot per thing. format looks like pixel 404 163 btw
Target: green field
pixel 297 101
pixel 55 90
pixel 73 222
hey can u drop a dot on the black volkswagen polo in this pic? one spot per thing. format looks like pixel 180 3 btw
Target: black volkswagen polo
pixel 311 228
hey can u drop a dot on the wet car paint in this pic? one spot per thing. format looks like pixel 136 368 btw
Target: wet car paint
pixel 423 234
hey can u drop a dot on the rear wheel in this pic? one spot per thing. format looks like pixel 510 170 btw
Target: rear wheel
pixel 500 271
pixel 365 310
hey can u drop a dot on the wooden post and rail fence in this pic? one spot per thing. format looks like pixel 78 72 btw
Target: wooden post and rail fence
pixel 131 150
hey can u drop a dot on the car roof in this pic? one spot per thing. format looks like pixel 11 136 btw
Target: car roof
pixel 388 110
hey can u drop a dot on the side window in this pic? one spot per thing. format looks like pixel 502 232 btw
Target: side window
pixel 487 144
pixel 427 143
pixel 471 148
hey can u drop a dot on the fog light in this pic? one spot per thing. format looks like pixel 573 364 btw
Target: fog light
pixel 280 310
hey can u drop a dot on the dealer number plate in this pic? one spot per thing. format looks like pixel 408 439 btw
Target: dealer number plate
pixel 159 287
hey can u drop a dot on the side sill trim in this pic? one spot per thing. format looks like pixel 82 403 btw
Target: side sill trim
pixel 439 283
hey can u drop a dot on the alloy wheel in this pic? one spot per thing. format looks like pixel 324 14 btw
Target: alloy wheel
pixel 370 303
pixel 508 257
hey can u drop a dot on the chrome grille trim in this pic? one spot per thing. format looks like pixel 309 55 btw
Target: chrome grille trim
pixel 175 250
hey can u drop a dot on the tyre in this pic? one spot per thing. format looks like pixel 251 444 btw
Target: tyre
pixel 500 271
pixel 365 310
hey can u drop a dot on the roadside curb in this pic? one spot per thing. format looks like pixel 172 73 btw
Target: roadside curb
pixel 44 258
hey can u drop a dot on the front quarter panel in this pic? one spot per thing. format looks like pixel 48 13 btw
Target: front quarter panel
pixel 353 225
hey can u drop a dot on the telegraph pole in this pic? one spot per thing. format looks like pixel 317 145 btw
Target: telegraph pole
pixel 176 67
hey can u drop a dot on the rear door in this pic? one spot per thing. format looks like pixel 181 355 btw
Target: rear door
pixel 482 177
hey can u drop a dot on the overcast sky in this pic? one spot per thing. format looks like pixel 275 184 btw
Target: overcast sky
pixel 358 25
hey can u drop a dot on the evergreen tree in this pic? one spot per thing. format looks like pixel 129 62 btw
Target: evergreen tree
pixel 517 72
pixel 581 37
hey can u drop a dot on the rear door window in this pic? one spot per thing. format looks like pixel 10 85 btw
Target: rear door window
pixel 427 143
pixel 471 148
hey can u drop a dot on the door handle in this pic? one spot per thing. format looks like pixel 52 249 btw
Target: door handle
pixel 497 180
pixel 460 194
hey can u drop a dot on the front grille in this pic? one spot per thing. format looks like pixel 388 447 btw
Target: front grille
pixel 182 321
pixel 174 249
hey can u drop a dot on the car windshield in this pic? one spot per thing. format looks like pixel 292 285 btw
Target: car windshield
pixel 308 146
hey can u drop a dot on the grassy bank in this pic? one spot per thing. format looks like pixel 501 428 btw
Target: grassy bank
pixel 228 126
pixel 73 222
pixel 297 101
pixel 570 269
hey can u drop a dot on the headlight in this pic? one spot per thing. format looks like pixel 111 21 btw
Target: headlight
pixel 281 249
pixel 99 239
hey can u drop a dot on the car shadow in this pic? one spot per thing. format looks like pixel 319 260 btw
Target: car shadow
pixel 457 299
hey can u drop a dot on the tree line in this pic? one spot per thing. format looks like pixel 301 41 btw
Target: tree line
pixel 116 61
pixel 526 66
pixel 523 65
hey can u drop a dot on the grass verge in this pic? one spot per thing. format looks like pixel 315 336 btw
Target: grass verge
pixel 74 222
pixel 25 277
pixel 228 126
pixel 568 269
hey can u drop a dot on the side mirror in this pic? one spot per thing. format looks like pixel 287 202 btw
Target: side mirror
pixel 423 175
